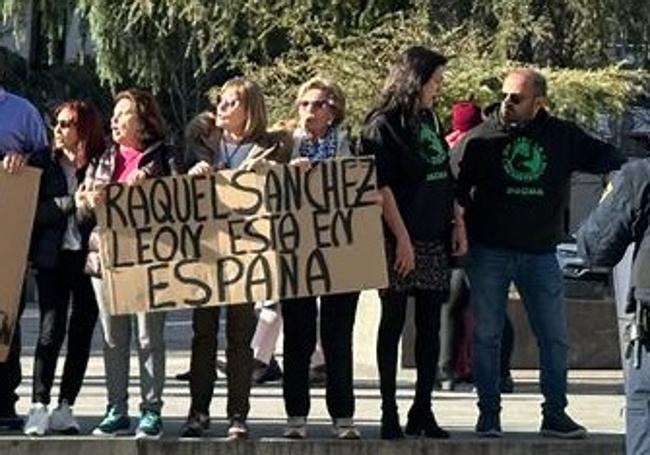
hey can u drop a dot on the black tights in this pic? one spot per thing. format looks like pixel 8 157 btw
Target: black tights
pixel 427 345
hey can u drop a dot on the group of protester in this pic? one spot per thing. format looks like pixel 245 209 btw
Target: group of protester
pixel 497 196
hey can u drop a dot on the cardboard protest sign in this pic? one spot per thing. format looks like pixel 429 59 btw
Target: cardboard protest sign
pixel 242 236
pixel 18 198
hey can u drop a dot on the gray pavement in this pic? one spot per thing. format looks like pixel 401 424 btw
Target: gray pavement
pixel 595 396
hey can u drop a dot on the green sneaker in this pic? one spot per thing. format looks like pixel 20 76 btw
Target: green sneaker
pixel 113 424
pixel 150 425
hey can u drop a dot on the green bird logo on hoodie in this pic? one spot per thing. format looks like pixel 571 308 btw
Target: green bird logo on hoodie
pixel 524 160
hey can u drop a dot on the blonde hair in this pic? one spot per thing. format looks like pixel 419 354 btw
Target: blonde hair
pixel 253 101
pixel 335 96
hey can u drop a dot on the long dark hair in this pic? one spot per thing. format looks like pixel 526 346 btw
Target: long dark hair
pixel 89 128
pixel 402 87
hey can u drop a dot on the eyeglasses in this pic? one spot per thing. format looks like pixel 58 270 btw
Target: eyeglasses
pixel 227 104
pixel 317 104
pixel 64 124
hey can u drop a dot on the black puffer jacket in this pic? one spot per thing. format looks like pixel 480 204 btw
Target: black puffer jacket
pixel 54 208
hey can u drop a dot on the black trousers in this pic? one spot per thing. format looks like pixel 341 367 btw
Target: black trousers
pixel 240 323
pixel 337 313
pixel 427 344
pixel 10 371
pixel 62 288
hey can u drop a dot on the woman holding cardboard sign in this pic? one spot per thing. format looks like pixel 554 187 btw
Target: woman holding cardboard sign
pixel 241 142
pixel 319 136
pixel 58 253
pixel 405 137
pixel 139 152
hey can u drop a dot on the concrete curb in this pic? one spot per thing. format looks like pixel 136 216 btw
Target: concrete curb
pixel 596 445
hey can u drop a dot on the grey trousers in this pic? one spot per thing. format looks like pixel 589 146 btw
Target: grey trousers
pixel 148 330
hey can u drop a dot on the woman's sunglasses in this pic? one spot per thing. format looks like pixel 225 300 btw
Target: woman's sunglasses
pixel 227 104
pixel 317 104
pixel 64 124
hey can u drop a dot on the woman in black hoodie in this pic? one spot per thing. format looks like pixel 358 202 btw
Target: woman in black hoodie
pixel 405 137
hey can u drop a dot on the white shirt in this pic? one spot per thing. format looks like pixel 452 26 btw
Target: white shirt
pixel 72 236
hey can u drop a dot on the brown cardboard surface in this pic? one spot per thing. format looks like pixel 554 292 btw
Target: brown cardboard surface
pixel 18 197
pixel 238 236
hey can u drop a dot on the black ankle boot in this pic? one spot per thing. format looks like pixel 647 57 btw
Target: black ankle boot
pixel 421 422
pixel 390 427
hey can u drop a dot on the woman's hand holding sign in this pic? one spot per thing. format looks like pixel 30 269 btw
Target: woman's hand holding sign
pixel 90 198
pixel 200 168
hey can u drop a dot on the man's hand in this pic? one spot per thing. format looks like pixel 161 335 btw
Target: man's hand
pixel 13 162
pixel 459 244
pixel 458 239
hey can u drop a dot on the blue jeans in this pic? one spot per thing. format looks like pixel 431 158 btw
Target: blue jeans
pixel 539 281
pixel 637 397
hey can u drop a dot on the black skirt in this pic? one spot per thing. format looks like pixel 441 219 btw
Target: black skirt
pixel 432 268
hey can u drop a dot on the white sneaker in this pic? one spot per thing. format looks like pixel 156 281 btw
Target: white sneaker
pixel 37 420
pixel 62 420
pixel 343 428
pixel 296 428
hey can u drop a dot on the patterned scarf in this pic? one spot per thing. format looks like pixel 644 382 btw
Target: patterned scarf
pixel 319 149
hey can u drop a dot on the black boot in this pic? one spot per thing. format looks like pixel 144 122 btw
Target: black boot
pixel 9 420
pixel 390 427
pixel 421 422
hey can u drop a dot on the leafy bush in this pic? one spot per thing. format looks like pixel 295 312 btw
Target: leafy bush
pixel 359 63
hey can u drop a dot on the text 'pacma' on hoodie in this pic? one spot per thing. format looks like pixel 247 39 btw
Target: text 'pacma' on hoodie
pixel 514 182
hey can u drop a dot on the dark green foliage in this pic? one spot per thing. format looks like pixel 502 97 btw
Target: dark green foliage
pixel 46 87
pixel 180 49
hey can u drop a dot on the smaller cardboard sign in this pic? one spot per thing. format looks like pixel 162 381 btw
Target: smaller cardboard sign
pixel 18 198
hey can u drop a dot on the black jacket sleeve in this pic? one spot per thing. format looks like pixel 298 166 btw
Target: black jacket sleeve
pixel 53 206
pixel 465 164
pixel 614 224
pixel 593 155
pixel 54 210
pixel 377 141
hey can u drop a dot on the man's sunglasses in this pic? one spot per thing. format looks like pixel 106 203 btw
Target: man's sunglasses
pixel 514 98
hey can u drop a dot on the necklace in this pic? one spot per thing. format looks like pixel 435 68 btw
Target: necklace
pixel 230 156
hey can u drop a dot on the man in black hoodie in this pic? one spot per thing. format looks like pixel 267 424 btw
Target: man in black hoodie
pixel 513 182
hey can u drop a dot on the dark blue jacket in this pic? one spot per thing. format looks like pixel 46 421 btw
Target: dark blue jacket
pixel 620 219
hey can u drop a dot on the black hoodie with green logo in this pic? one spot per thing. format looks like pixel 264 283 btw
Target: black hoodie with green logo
pixel 415 165
pixel 514 182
